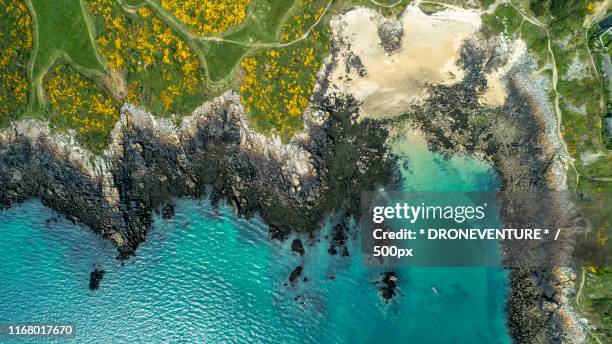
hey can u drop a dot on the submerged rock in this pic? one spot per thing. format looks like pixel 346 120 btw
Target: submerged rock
pixel 297 247
pixel 388 290
pixel 95 277
pixel 295 275
pixel 338 241
pixel 168 211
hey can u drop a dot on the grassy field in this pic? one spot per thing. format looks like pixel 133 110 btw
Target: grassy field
pixel 60 29
pixel 57 20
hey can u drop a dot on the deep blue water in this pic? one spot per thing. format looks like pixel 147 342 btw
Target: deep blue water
pixel 208 276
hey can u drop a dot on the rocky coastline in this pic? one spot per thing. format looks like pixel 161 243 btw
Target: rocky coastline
pixel 518 137
pixel 212 153
pixel 293 185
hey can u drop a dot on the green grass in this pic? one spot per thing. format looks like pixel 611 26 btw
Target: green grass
pixel 256 29
pixel 596 299
pixel 340 6
pixel 62 27
pixel 506 19
pixel 431 8
pixel 61 30
pixel 222 58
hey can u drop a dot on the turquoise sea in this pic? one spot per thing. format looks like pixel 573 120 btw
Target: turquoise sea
pixel 207 276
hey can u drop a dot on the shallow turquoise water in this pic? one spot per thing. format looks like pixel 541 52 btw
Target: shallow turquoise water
pixel 207 276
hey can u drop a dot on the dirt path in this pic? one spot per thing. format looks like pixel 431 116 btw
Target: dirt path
pixel 37 91
pixel 578 297
pixel 386 6
pixel 568 161
pixel 193 39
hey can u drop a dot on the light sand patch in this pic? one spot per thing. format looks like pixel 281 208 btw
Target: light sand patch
pixel 588 158
pixel 495 94
pixel 393 83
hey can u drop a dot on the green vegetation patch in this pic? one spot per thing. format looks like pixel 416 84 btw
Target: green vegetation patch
pixel 15 50
pixel 263 22
pixel 506 19
pixel 163 72
pixel 431 8
pixel 62 27
pixel 78 103
pixel 596 299
pixel 222 58
pixel 278 83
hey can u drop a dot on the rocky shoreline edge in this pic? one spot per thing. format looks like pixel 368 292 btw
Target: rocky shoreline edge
pixel 292 186
pixel 520 141
pixel 213 153
pixel 519 137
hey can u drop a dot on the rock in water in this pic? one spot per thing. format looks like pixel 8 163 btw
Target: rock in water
pixel 295 274
pixel 297 247
pixel 387 291
pixel 168 211
pixel 95 277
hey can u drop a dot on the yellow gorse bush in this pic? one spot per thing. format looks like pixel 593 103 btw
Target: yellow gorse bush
pixel 278 83
pixel 208 16
pixel 15 49
pixel 142 43
pixel 78 103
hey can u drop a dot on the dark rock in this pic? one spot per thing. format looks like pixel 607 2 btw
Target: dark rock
pixel 276 233
pixel 388 290
pixel 338 241
pixel 95 277
pixel 391 33
pixel 297 247
pixel 295 274
pixel 145 171
pixel 168 211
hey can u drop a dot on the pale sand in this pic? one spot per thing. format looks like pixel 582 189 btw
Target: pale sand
pixel 428 56
pixel 496 93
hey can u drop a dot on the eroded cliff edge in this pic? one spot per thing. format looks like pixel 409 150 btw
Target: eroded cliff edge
pixel 211 153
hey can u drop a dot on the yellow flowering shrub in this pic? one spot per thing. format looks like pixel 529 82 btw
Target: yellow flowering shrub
pixel 15 49
pixel 278 84
pixel 208 16
pixel 309 11
pixel 160 64
pixel 76 102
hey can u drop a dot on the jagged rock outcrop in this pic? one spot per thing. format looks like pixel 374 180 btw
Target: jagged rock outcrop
pixel 149 161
